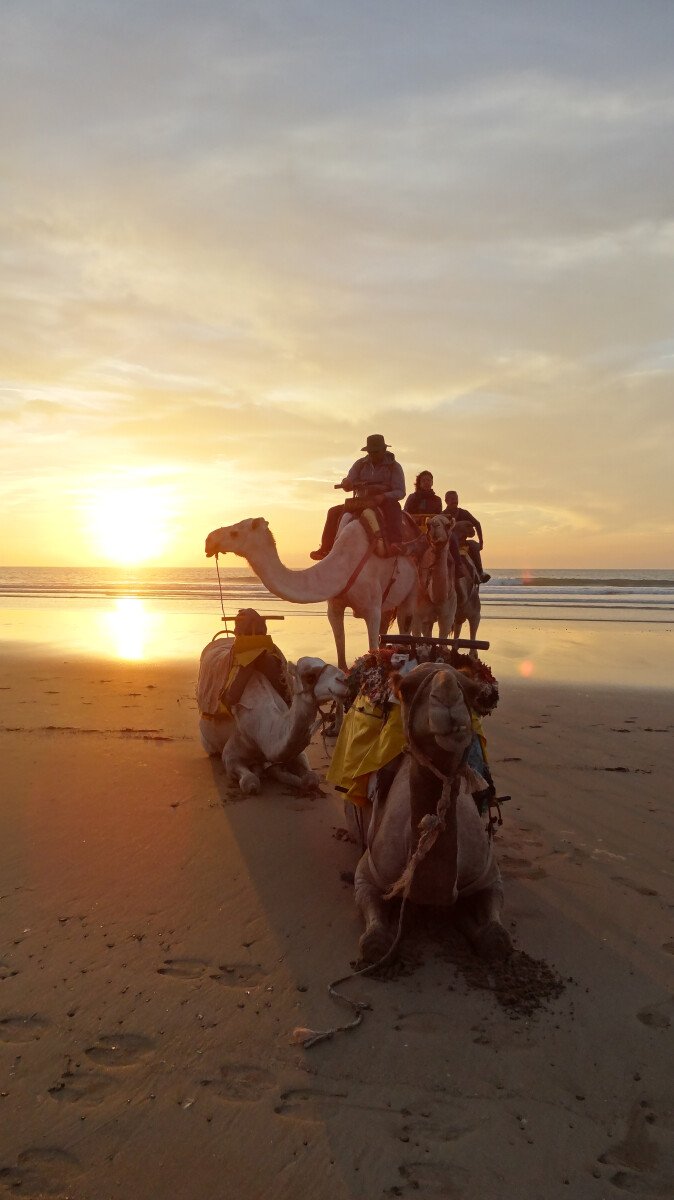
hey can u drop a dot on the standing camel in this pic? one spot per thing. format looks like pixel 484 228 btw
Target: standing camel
pixel 350 576
pixel 436 596
pixel 468 607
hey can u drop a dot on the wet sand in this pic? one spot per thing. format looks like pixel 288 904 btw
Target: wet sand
pixel 160 938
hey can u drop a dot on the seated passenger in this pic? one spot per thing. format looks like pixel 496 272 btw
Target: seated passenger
pixel 459 538
pixel 461 514
pixel 423 502
pixel 377 481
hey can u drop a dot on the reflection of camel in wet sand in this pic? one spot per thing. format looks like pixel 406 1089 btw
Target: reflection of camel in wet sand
pixel 351 576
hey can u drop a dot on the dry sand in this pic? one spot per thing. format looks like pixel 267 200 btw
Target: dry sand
pixel 161 938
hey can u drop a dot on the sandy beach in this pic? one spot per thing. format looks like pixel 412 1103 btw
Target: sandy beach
pixel 162 937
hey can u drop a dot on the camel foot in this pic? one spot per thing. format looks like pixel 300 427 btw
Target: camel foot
pixel 375 943
pixel 249 785
pixel 493 942
pixel 310 782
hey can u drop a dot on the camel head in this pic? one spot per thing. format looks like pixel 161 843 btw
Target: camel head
pixel 240 538
pixel 438 529
pixel 436 701
pixel 325 682
pixel 464 529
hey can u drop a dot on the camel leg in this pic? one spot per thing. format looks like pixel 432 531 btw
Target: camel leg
pixel 473 624
pixel 296 774
pixel 336 608
pixel 377 937
pixel 373 622
pixel 446 618
pixel 236 766
pixel 405 617
pixel 479 918
pixel 214 734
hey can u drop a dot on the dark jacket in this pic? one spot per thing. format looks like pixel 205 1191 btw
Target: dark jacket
pixel 387 476
pixel 423 502
pixel 462 514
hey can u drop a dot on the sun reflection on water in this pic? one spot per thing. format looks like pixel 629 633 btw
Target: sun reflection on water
pixel 129 624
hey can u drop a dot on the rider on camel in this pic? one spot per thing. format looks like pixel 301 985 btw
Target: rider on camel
pixel 377 481
pixel 423 502
pixel 472 548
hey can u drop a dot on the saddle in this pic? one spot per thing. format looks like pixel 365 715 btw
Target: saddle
pixel 372 520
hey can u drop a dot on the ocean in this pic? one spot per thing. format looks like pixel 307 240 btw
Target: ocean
pixel 610 627
pixel 581 594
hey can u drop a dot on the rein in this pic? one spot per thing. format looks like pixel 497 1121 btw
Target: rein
pixel 352 579
pixel 222 604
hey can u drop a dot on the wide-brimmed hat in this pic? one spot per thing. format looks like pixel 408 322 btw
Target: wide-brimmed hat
pixel 375 442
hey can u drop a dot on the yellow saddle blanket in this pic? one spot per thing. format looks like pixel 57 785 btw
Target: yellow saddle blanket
pixel 368 740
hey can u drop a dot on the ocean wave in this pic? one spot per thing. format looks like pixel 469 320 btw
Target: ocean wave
pixel 578 581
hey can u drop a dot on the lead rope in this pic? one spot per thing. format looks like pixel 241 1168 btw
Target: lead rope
pixel 222 606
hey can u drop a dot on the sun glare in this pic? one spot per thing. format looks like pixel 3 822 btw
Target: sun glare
pixel 128 624
pixel 130 525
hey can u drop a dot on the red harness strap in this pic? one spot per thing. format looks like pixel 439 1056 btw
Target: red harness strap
pixel 357 570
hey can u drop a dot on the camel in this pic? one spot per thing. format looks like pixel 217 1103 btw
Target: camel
pixel 468 607
pixel 351 576
pixel 436 597
pixel 459 867
pixel 264 733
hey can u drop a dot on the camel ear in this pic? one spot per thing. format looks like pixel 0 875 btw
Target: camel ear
pixel 470 688
pixel 257 521
pixel 407 686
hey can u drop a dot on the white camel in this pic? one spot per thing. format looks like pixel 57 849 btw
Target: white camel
pixel 436 597
pixel 351 576
pixel 263 733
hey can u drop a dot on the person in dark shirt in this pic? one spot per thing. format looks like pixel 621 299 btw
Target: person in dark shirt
pixel 377 481
pixel 423 502
pixel 461 514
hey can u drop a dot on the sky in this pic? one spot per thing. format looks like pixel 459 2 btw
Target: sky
pixel 237 237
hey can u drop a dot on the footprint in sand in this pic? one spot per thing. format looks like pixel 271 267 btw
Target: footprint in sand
pixel 668 947
pixel 520 868
pixel 6 972
pixel 429 1179
pixel 309 1104
pixel 120 1050
pixel 240 1082
pixel 423 1022
pixel 423 1133
pixel 38 1172
pixel 184 968
pixel 20 1028
pixel 644 1156
pixel 636 887
pixel 654 1017
pixel 79 1087
pixel 240 975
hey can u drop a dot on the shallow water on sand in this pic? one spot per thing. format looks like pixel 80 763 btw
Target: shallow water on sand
pixel 131 628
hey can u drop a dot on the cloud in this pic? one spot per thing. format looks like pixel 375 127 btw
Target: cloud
pixel 236 238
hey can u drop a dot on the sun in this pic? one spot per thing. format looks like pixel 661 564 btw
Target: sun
pixel 130 524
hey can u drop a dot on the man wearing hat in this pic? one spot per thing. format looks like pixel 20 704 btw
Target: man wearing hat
pixel 377 481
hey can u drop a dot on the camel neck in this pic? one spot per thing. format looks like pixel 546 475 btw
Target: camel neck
pixel 320 582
